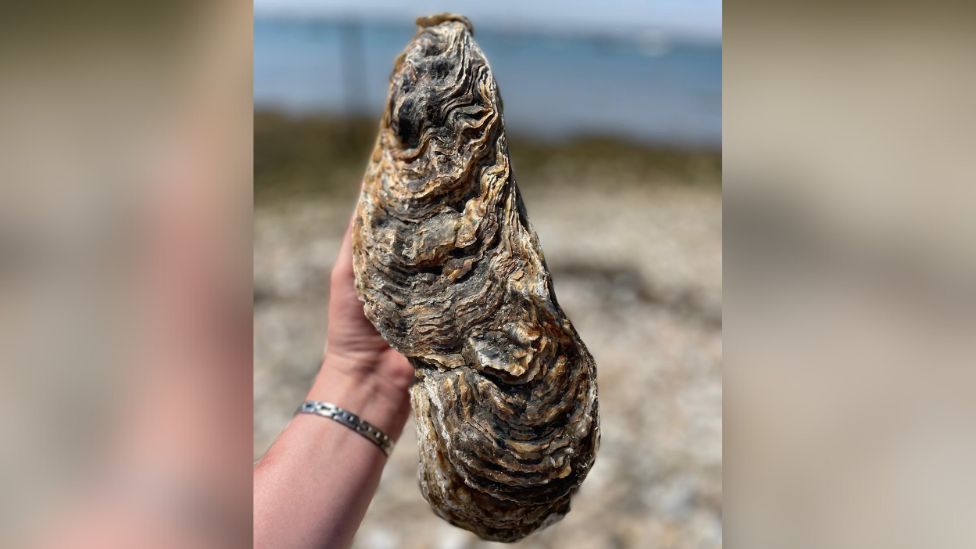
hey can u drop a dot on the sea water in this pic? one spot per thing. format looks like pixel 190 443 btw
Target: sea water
pixel 644 87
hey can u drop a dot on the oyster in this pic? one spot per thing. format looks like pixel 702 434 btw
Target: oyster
pixel 451 273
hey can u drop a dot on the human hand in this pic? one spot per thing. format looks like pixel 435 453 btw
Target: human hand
pixel 301 498
pixel 361 372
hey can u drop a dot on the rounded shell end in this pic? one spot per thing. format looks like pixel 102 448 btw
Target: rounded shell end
pixel 438 18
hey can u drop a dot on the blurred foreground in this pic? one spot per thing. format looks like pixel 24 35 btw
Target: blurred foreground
pixel 633 238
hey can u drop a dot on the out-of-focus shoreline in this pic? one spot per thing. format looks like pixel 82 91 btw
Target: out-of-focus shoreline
pixel 322 155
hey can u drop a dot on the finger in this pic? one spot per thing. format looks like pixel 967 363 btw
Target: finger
pixel 342 271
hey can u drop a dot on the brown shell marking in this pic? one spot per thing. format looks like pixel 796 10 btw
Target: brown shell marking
pixel 451 273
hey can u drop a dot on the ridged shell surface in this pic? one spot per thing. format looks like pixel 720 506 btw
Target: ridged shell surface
pixel 451 273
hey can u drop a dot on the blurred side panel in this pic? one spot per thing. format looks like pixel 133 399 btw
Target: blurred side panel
pixel 850 270
pixel 125 195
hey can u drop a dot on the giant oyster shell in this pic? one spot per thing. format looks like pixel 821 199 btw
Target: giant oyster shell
pixel 452 275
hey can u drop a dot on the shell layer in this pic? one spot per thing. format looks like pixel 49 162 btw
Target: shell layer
pixel 451 273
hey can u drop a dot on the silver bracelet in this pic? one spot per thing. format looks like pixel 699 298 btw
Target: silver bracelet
pixel 349 419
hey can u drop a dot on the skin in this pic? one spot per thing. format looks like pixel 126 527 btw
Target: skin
pixel 313 486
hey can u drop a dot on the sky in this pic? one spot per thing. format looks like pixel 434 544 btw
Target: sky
pixel 699 18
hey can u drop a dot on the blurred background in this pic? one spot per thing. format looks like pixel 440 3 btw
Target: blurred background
pixel 125 199
pixel 848 306
pixel 614 118
pixel 850 274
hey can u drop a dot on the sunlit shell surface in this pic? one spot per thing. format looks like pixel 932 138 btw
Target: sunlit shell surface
pixel 452 275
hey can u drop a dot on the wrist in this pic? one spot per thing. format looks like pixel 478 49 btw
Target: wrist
pixel 363 393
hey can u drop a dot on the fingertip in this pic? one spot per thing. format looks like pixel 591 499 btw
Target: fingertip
pixel 343 269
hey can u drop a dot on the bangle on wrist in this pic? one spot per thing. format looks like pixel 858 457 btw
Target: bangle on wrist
pixel 350 420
